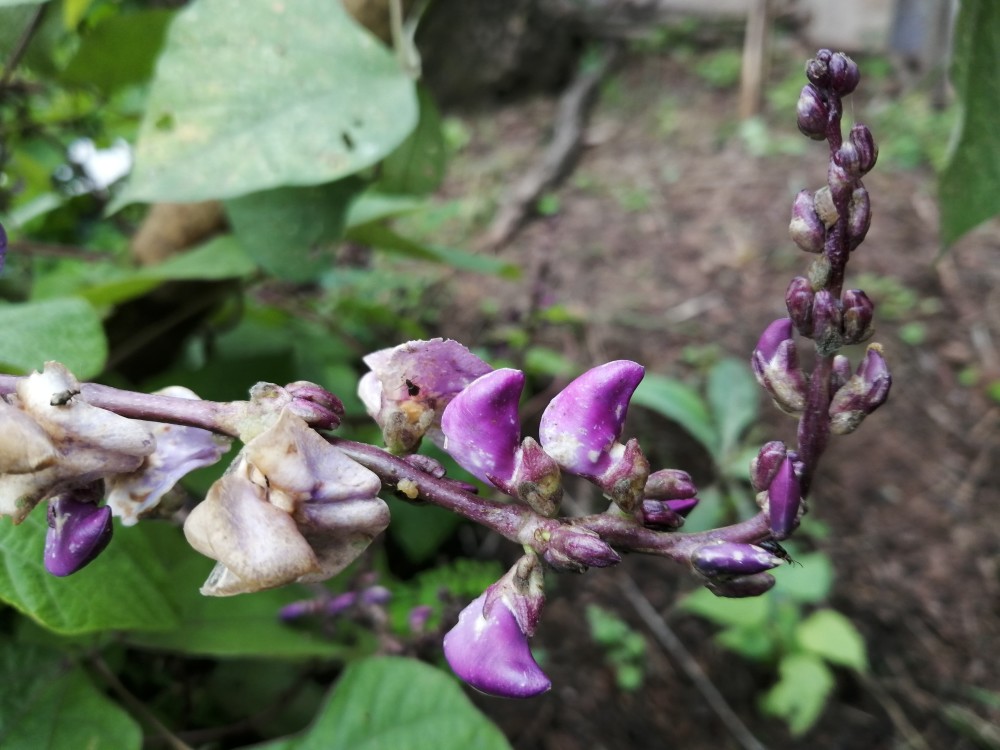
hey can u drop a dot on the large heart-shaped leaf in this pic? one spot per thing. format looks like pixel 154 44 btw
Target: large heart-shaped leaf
pixel 67 330
pixel 253 96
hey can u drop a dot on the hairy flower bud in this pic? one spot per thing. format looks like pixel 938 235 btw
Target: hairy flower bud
pixel 775 363
pixel 806 228
pixel 78 530
pixel 766 463
pixel 863 140
pixel 784 500
pixel 859 217
pixel 812 113
pixel 669 484
pixel 742 586
pixel 732 559
pixel 799 299
pixel 537 480
pixel 316 405
pixel 841 372
pixel 574 549
pixel 847 158
pixel 827 323
pixel 656 514
pixel 817 69
pixel 844 73
pixel 858 313
pixel 867 390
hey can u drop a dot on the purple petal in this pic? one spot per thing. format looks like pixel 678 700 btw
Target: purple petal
pixel 582 423
pixel 733 558
pixel 783 500
pixel 773 336
pixel 78 532
pixel 490 653
pixel 742 586
pixel 481 426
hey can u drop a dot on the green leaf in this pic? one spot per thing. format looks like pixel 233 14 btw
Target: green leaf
pixel 829 634
pixel 293 232
pixel 253 96
pixel 123 589
pixel 119 51
pixel 420 530
pixel 733 396
pixel 383 703
pixel 969 185
pixel 50 705
pixel 801 693
pixel 749 612
pixel 417 165
pixel 752 642
pixel 681 404
pixel 8 3
pixel 808 582
pixel 245 625
pixel 372 205
pixel 67 330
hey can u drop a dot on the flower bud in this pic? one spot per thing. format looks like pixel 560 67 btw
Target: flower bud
pixel 784 500
pixel 827 323
pixel 316 405
pixel 799 300
pixel 742 586
pixel 844 73
pixel 537 480
pixel 78 530
pixel 481 426
pixel 574 549
pixel 766 463
pixel 859 217
pixel 817 69
pixel 732 559
pixel 682 506
pixel 812 113
pixel 863 140
pixel 848 158
pixel 806 228
pixel 841 372
pixel 858 313
pixel 775 363
pixel 867 390
pixel 656 514
pixel 669 484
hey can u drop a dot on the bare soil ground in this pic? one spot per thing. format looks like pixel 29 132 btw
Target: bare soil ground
pixel 670 233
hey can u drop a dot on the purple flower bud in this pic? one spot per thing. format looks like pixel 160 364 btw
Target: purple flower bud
pixel 582 424
pixel 776 365
pixel 864 142
pixel 765 465
pixel 812 113
pixel 574 549
pixel 847 158
pixel 858 313
pixel 841 372
pixel 656 514
pixel 481 426
pixel 490 652
pixel 844 73
pixel 867 390
pixel 817 69
pixel 682 506
pixel 316 405
pixel 806 228
pixel 669 484
pixel 732 559
pixel 742 586
pixel 537 480
pixel 624 481
pixel 838 177
pixel 859 217
pixel 827 323
pixel 799 300
pixel 784 499
pixel 418 617
pixel 78 531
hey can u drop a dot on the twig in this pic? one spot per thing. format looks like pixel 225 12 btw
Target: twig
pixel 673 646
pixel 896 714
pixel 557 161
pixel 22 46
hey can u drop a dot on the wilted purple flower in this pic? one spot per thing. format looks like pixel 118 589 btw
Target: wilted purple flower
pixel 669 484
pixel 179 451
pixel 580 429
pixel 817 70
pixel 410 385
pixel 775 363
pixel 866 390
pixel 784 500
pixel 812 113
pixel 78 530
pixel 732 559
pixel 766 463
pixel 806 228
pixel 741 586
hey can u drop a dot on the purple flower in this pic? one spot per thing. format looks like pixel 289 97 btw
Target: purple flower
pixel 78 530
pixel 732 559
pixel 784 499
pixel 669 484
pixel 862 394
pixel 775 363
pixel 574 549
pixel 766 464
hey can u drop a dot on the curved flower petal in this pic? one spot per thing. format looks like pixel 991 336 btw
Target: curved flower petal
pixel 481 426
pixel 490 653
pixel 733 558
pixel 78 532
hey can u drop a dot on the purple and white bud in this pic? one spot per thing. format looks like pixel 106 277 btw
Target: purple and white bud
pixel 812 113
pixel 827 323
pixel 537 479
pixel 847 158
pixel 858 313
pixel 841 372
pixel 799 299
pixel 784 500
pixel 78 530
pixel 866 390
pixel 316 405
pixel 859 217
pixel 844 73
pixel 656 514
pixel 732 559
pixel 410 385
pixel 766 463
pixel 864 142
pixel 669 484
pixel 817 69
pixel 775 363
pixel 574 549
pixel 742 587
pixel 481 425
pixel 806 228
